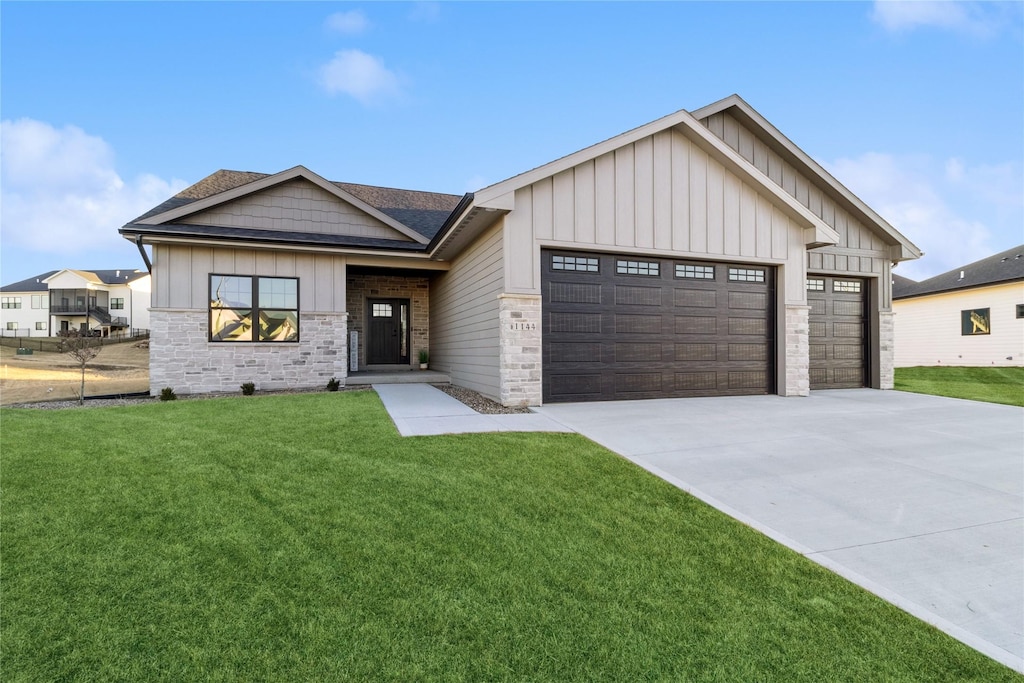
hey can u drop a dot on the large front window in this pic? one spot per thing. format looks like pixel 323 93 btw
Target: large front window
pixel 254 309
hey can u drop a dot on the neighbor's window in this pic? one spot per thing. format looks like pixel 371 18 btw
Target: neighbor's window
pixel 1020 310
pixel 40 301
pixel 116 303
pixel 975 321
pixel 40 326
pixel 12 326
pixel 695 272
pixel 746 275
pixel 10 302
pixel 254 309
pixel 579 263
pixel 651 268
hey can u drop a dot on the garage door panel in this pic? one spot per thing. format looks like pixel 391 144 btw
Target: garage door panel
pixel 696 298
pixel 638 324
pixel 655 329
pixel 838 328
pixel 696 325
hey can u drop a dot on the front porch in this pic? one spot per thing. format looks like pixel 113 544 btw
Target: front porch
pixel 389 314
pixel 397 376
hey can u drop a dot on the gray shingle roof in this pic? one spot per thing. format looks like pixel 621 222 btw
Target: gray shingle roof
pixel 424 212
pixel 1006 266
pixel 109 277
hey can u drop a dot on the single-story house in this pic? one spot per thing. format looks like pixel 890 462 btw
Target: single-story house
pixel 972 315
pixel 700 254
pixel 101 302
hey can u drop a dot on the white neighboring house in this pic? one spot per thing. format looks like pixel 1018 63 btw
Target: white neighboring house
pixel 103 302
pixel 971 316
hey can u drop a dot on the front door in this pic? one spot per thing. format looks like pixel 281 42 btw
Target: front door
pixel 387 334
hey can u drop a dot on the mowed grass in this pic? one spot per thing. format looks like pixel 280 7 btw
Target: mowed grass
pixel 994 385
pixel 299 538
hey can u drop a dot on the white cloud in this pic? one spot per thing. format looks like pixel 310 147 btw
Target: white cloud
pixel 360 75
pixel 980 19
pixel 348 23
pixel 955 212
pixel 60 192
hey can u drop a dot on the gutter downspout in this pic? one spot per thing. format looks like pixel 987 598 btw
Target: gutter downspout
pixel 145 256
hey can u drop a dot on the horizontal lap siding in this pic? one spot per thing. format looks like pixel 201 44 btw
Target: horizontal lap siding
pixel 464 334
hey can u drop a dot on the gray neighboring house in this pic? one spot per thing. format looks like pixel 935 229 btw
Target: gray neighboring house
pixel 972 315
pixel 701 254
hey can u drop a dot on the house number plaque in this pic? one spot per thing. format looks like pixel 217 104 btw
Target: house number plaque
pixel 522 326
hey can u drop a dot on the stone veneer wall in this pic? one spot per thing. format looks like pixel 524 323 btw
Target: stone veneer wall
pixel 520 350
pixel 181 357
pixel 416 289
pixel 886 350
pixel 798 382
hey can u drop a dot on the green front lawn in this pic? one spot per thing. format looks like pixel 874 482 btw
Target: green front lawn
pixel 299 538
pixel 994 385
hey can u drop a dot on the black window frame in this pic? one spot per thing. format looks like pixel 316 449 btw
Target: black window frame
pixel 117 303
pixel 699 272
pixel 641 267
pixel 255 310
pixel 565 263
pixel 1020 310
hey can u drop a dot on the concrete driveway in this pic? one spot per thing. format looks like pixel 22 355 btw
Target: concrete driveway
pixel 919 499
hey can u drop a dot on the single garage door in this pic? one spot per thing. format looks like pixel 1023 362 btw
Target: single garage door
pixel 838 332
pixel 628 327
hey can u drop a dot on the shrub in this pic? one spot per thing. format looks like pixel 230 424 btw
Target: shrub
pixel 333 384
pixel 424 356
pixel 167 394
pixel 248 389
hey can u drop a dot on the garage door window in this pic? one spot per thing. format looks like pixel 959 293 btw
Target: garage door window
pixel 846 286
pixel 649 268
pixel 688 272
pixel 577 263
pixel 746 275
pixel 815 284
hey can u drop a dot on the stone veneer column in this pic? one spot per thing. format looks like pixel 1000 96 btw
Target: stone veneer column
pixel 520 350
pixel 886 350
pixel 798 381
pixel 181 357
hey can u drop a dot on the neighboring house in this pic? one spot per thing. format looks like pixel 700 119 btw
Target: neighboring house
pixel 701 254
pixel 972 315
pixel 101 302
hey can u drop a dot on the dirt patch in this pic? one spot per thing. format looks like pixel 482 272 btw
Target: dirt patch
pixel 117 369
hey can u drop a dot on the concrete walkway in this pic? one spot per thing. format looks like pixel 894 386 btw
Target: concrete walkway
pixel 422 410
pixel 919 499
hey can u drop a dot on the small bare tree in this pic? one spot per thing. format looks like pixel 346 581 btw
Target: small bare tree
pixel 83 349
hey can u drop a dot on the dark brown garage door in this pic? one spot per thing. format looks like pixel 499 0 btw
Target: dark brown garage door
pixel 629 327
pixel 838 332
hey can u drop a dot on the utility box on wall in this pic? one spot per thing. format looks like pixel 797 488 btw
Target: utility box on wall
pixel 353 351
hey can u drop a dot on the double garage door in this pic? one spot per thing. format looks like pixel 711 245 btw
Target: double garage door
pixel 627 327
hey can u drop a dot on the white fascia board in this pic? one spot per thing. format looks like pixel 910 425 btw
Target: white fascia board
pixel 908 251
pixel 272 246
pixel 276 179
pixel 505 202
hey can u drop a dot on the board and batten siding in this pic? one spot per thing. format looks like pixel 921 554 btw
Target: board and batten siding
pixel 181 275
pixel 296 206
pixel 928 333
pixel 860 251
pixel 661 194
pixel 464 320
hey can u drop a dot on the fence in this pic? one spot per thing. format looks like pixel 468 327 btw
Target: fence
pixel 53 343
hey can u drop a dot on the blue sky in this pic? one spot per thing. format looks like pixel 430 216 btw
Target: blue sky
pixel 109 108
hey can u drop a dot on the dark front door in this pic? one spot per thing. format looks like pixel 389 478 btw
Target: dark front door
pixel 387 333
